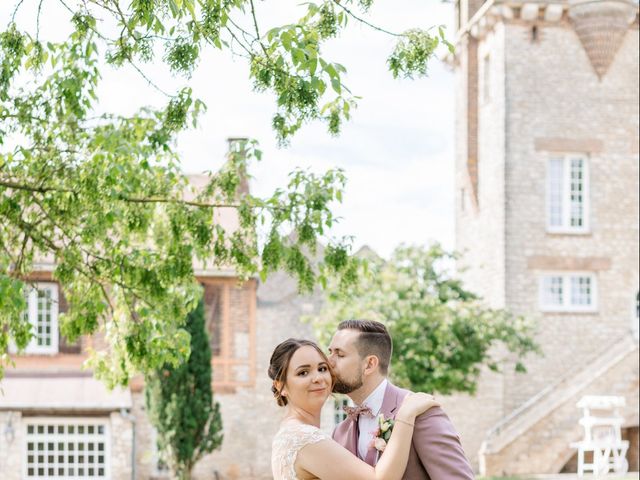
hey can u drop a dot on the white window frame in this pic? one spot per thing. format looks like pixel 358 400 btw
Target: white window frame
pixel 339 401
pixel 32 314
pixel 566 226
pixel 486 79
pixel 635 318
pixel 55 438
pixel 566 305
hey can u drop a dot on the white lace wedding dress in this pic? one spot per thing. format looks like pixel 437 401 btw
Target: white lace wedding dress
pixel 286 445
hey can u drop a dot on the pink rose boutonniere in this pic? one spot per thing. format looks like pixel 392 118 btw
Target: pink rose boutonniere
pixel 382 434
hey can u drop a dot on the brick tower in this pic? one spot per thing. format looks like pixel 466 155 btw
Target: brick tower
pixel 547 215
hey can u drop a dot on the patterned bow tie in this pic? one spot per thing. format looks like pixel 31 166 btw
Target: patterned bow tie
pixel 354 412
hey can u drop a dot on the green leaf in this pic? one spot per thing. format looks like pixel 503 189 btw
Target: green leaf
pixel 286 39
pixel 105 195
pixel 312 66
pixel 335 83
pixel 331 71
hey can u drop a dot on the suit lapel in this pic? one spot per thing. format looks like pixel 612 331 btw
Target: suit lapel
pixel 390 402
pixel 388 409
pixel 352 437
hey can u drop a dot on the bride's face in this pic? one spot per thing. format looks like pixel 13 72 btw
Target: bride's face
pixel 308 381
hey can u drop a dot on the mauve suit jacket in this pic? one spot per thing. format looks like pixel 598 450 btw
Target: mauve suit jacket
pixel 436 452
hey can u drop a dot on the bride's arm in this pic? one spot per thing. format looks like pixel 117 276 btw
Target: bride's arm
pixel 328 460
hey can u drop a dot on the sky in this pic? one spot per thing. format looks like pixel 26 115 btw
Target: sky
pixel 396 151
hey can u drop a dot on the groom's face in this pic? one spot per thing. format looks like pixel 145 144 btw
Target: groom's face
pixel 346 361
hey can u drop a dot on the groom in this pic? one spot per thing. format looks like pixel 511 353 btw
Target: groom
pixel 360 352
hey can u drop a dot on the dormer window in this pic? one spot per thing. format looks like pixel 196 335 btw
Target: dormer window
pixel 42 314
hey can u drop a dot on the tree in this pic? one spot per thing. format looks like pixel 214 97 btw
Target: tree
pixel 104 195
pixel 442 333
pixel 180 404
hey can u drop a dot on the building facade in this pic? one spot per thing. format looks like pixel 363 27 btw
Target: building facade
pixel 547 216
pixel 57 421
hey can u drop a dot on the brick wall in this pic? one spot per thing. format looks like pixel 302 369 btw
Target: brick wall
pixel 545 446
pixel 480 229
pixel 556 101
pixel 544 97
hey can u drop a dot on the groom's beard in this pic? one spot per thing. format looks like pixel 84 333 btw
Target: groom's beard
pixel 345 386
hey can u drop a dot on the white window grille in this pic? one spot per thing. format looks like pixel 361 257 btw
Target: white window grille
pixel 576 192
pixel 66 448
pixel 486 79
pixel 339 403
pixel 581 291
pixel 555 187
pixel 568 194
pixel 552 291
pixel 570 292
pixel 42 314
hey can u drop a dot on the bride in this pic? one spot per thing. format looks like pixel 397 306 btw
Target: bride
pixel 302 381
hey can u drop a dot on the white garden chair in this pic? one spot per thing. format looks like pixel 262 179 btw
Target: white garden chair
pixel 602 436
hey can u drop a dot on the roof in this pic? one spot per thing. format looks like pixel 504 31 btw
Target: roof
pixel 227 217
pixel 60 392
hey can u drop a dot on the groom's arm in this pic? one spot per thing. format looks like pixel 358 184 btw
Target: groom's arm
pixel 438 446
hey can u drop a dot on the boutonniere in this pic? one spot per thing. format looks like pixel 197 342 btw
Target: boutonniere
pixel 382 434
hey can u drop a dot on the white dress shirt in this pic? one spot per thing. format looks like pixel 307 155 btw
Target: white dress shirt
pixel 366 425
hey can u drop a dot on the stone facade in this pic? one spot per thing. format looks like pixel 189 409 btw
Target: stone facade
pixel 249 412
pixel 11 444
pixel 541 434
pixel 13 465
pixel 244 321
pixel 121 441
pixel 540 94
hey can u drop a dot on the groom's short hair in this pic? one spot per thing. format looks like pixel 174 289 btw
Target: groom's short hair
pixel 374 339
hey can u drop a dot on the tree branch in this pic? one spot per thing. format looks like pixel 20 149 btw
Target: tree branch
pixel 30 188
pixel 15 11
pixel 127 199
pixel 363 21
pixel 178 202
pixel 250 54
pixel 38 20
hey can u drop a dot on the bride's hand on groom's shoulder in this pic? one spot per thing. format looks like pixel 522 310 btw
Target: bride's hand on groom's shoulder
pixel 416 404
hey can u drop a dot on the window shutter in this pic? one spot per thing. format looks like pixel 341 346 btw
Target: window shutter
pixel 230 320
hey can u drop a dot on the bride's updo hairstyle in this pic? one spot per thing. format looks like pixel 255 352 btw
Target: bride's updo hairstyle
pixel 279 364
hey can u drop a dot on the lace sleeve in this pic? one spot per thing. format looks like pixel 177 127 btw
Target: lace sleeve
pixel 286 445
